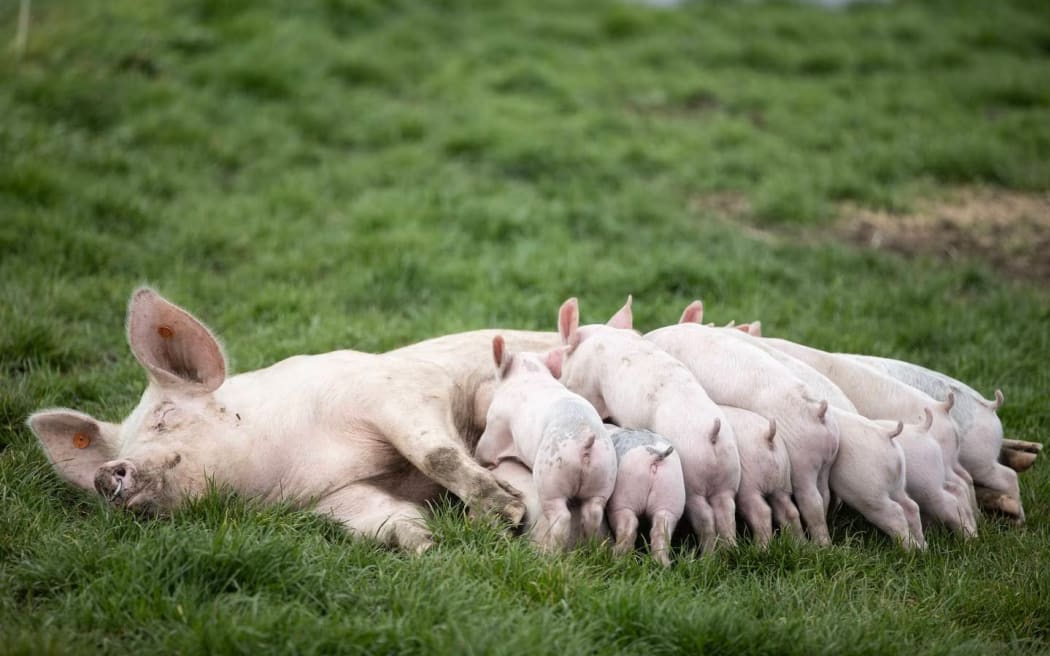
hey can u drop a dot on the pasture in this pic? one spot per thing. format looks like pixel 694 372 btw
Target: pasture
pixel 359 174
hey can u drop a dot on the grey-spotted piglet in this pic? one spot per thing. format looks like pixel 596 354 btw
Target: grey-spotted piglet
pixel 556 433
pixel 765 476
pixel 648 484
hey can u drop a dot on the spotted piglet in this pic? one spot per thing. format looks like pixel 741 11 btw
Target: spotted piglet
pixel 559 435
pixel 648 484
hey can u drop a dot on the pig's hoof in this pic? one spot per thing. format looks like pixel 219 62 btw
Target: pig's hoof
pixel 413 538
pixel 662 557
pixel 1018 461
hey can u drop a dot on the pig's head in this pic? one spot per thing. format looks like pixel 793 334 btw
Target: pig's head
pixel 154 458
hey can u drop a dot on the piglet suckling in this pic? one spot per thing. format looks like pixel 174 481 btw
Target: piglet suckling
pixel 739 375
pixel 765 476
pixel 557 434
pixel 637 384
pixel 648 484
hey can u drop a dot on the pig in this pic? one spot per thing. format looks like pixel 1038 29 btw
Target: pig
pixel 765 476
pixel 978 426
pixel 926 479
pixel 869 476
pixel 649 484
pixel 636 384
pixel 536 420
pixel 877 396
pixel 744 376
pixel 366 439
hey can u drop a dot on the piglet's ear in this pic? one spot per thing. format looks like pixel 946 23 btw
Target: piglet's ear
pixel 568 320
pixel 623 317
pixel 693 313
pixel 75 443
pixel 554 360
pixel 755 328
pixel 174 347
pixel 500 355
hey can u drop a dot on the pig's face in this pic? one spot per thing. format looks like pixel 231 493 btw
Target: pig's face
pixel 155 458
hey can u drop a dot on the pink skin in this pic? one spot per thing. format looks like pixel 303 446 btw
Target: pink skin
pixel 979 429
pixel 556 433
pixel 870 476
pixel 879 396
pixel 649 484
pixel 631 380
pixel 878 492
pixel 926 479
pixel 765 476
pixel 365 439
pixel 745 377
pixel 518 476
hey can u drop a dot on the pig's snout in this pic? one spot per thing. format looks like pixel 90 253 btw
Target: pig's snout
pixel 114 479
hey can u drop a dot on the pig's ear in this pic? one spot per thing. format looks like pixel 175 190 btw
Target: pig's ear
pixel 623 317
pixel 554 360
pixel 174 347
pixel 744 328
pixel 693 313
pixel 500 355
pixel 75 443
pixel 568 320
pixel 755 328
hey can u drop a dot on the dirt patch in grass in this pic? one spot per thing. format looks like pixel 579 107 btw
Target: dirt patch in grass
pixel 1010 230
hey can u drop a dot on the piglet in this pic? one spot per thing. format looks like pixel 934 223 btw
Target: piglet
pixel 648 484
pixel 556 433
pixel 765 476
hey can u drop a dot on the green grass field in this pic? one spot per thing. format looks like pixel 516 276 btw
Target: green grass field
pixel 360 174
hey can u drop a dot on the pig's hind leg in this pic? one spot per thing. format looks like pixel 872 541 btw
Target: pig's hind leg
pixel 757 514
pixel 624 524
pixel 598 479
pixel 786 514
pixel 702 518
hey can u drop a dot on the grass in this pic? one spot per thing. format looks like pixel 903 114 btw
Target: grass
pixel 347 173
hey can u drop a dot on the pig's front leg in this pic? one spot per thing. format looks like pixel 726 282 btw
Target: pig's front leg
pixel 427 437
pixel 373 513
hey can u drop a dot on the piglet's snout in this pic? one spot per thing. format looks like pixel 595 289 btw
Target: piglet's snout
pixel 114 479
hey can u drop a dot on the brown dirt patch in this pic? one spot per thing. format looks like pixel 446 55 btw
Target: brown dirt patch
pixel 1009 230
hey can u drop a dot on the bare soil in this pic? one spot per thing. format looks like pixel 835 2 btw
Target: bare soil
pixel 1009 230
